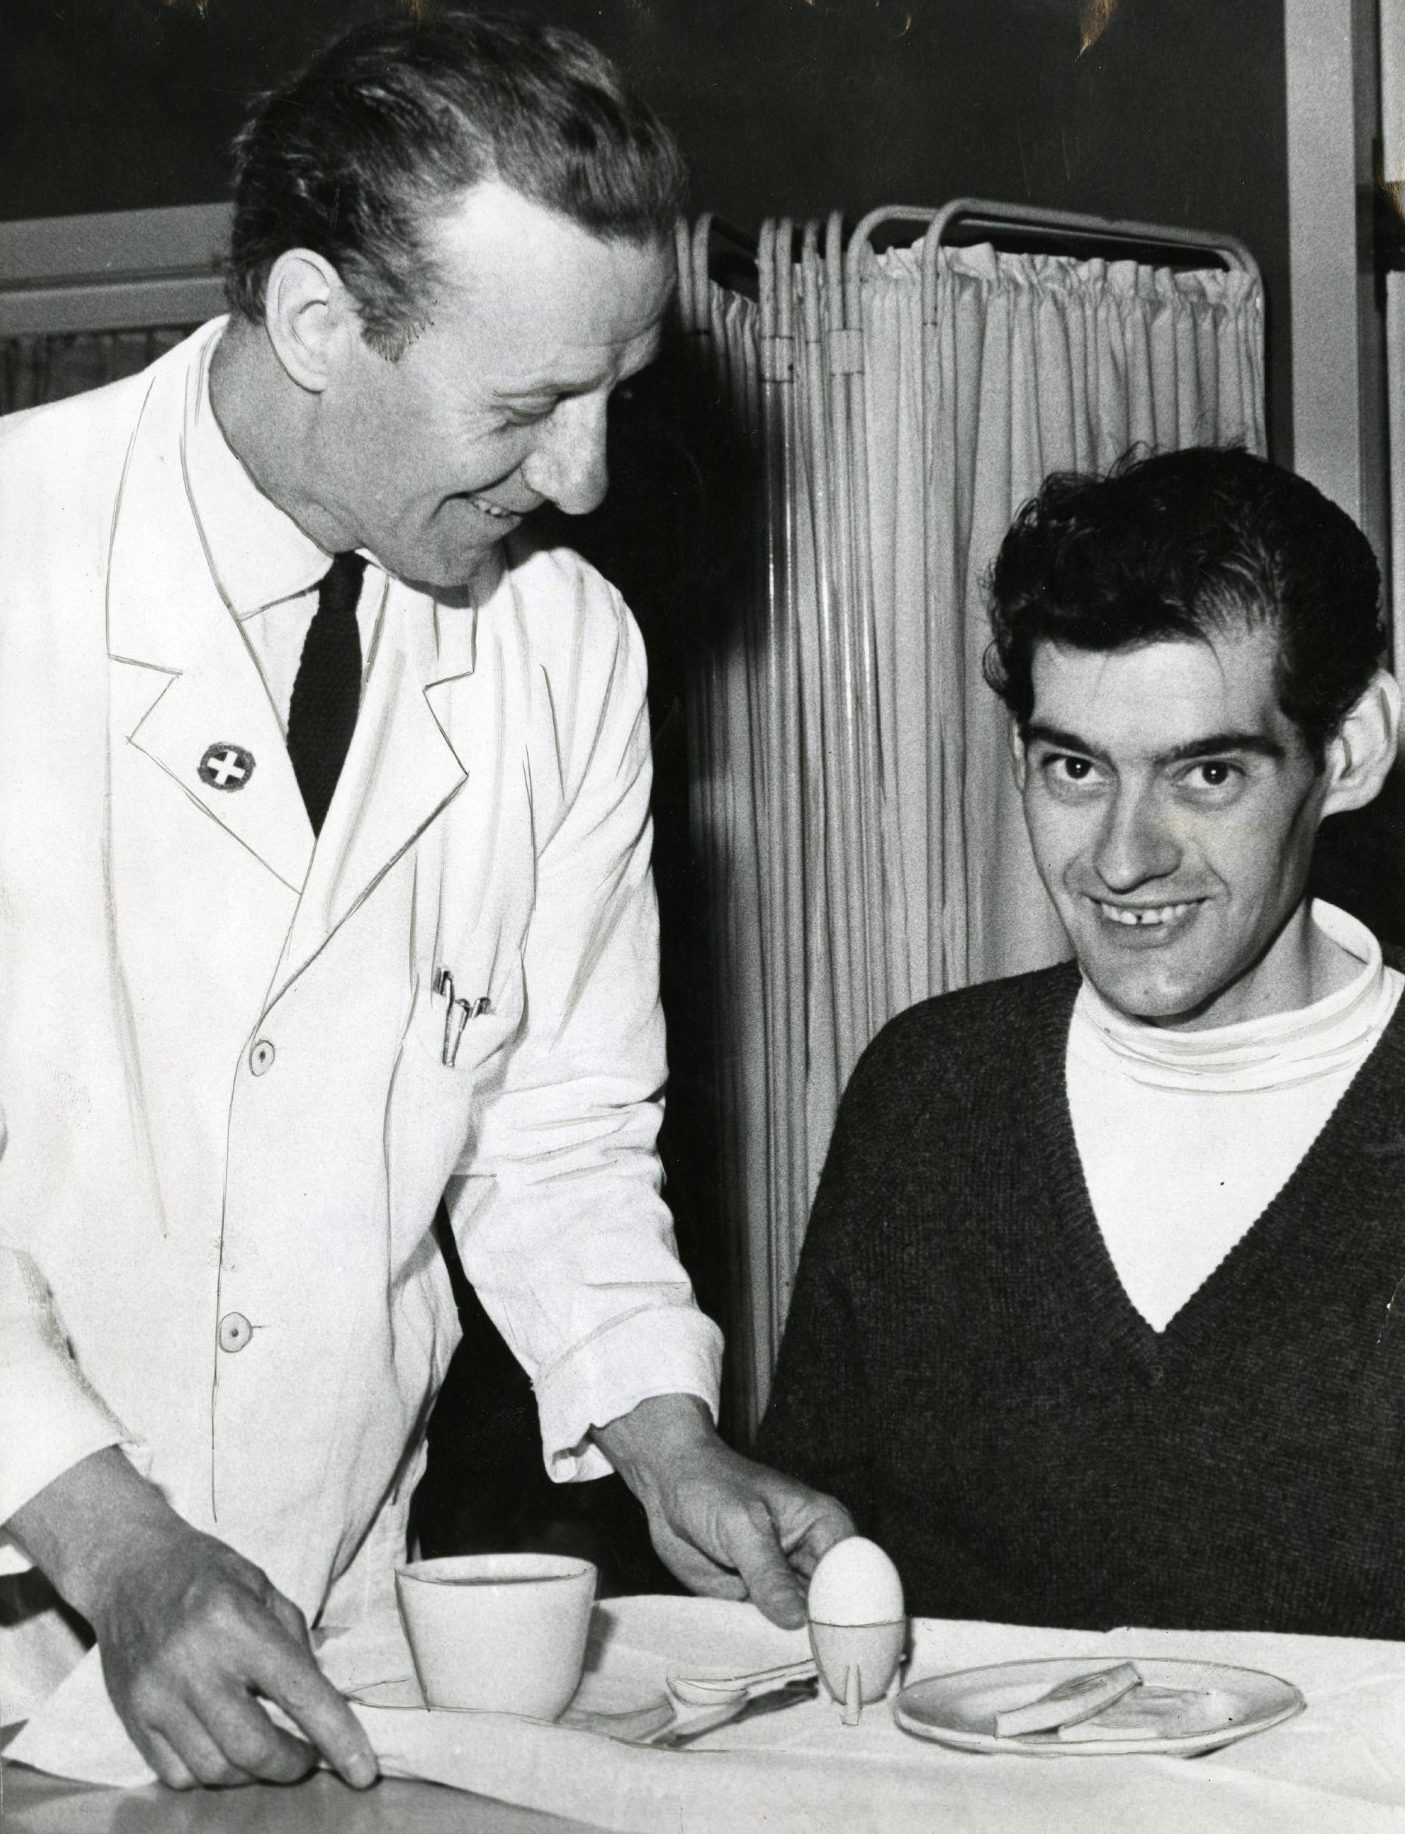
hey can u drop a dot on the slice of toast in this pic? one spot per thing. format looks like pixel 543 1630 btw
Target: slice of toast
pixel 1078 1698
pixel 1147 1713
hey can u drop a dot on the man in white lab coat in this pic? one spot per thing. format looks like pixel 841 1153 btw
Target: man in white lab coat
pixel 324 891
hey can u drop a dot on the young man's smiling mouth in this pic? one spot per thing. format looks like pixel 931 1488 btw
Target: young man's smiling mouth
pixel 1145 916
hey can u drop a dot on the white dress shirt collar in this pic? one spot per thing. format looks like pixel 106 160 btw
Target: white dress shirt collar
pixel 258 554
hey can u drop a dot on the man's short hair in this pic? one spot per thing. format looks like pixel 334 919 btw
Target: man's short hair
pixel 390 124
pixel 1191 544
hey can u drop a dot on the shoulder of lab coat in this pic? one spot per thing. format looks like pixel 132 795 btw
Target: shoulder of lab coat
pixel 559 1214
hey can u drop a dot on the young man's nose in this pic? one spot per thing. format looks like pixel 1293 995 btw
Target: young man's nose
pixel 567 465
pixel 1136 843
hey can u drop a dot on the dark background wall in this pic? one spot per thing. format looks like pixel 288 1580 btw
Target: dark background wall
pixel 1176 114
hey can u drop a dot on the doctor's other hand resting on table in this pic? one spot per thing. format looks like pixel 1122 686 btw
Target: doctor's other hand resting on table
pixel 725 1525
pixel 191 1634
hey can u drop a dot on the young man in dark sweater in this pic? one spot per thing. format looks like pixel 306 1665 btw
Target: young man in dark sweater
pixel 1101 1314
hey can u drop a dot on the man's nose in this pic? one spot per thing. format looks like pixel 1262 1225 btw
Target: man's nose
pixel 1136 843
pixel 567 465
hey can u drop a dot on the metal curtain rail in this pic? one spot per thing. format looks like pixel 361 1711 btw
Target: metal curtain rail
pixel 991 214
pixel 1076 226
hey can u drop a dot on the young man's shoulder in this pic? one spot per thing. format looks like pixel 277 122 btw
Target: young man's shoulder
pixel 950 1038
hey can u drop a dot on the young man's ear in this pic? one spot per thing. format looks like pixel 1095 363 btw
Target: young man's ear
pixel 308 313
pixel 1360 754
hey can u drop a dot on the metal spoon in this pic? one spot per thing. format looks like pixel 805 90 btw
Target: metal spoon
pixel 712 1690
pixel 745 1706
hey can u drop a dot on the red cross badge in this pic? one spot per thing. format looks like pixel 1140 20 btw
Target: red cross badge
pixel 226 767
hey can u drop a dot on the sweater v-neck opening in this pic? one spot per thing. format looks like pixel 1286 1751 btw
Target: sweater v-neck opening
pixel 1151 1352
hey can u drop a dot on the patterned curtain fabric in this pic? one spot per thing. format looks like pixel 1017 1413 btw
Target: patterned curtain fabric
pixel 40 367
pixel 853 812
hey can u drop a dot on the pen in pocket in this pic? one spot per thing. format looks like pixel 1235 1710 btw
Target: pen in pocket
pixel 457 1013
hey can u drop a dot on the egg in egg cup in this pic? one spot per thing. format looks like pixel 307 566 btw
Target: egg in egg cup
pixel 858 1626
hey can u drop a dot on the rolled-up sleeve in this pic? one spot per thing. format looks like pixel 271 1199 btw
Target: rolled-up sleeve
pixel 559 1217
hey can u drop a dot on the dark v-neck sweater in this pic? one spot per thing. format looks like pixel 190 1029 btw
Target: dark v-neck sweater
pixel 962 1365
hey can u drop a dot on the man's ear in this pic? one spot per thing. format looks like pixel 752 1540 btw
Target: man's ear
pixel 1019 760
pixel 308 314
pixel 1361 752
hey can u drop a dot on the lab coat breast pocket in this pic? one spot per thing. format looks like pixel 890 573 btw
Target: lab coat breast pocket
pixel 453 1062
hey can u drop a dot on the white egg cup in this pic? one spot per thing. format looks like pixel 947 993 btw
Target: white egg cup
pixel 857 1662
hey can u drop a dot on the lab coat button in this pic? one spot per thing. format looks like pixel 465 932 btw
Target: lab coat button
pixel 235 1331
pixel 261 1057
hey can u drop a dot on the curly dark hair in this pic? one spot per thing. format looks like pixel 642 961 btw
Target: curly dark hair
pixel 1191 544
pixel 392 121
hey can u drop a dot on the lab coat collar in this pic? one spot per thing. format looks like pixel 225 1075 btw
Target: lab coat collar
pixel 184 680
pixel 183 677
pixel 401 770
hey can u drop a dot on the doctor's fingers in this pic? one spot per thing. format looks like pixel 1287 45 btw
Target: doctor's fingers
pixel 287 1673
pixel 248 1742
pixel 173 1771
pixel 698 1571
pixel 743 1559
pixel 809 1524
pixel 182 1752
pixel 754 1546
pixel 288 1616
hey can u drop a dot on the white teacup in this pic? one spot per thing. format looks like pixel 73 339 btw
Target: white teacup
pixel 498 1633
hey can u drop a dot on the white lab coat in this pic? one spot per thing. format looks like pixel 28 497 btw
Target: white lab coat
pixel 228 1115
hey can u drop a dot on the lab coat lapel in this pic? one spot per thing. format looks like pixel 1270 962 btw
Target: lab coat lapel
pixel 183 678
pixel 400 772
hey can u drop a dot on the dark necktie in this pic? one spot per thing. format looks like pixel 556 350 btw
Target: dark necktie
pixel 327 691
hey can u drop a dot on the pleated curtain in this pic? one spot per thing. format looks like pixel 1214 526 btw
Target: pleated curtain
pixel 853 813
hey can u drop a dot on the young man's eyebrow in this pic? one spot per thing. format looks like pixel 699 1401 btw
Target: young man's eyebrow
pixel 1216 744
pixel 1212 745
pixel 1037 733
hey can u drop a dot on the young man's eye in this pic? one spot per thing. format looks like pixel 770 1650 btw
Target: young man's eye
pixel 1213 774
pixel 1065 776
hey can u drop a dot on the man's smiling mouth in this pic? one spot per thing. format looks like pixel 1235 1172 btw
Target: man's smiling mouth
pixel 1144 917
pixel 494 510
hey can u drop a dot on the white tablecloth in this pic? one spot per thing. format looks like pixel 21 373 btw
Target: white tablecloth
pixel 1338 1768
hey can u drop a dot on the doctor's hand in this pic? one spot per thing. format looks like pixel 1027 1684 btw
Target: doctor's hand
pixel 192 1636
pixel 726 1526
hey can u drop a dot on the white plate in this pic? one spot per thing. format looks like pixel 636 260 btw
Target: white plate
pixel 617 1708
pixel 959 1709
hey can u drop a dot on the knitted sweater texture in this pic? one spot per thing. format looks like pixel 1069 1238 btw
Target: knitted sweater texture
pixel 962 1367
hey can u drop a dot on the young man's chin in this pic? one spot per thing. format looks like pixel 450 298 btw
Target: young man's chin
pixel 1148 1002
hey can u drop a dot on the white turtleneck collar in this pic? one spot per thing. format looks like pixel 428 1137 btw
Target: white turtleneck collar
pixel 1273 1052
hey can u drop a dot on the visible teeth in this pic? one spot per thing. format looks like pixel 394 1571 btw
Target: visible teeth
pixel 1161 913
pixel 491 509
